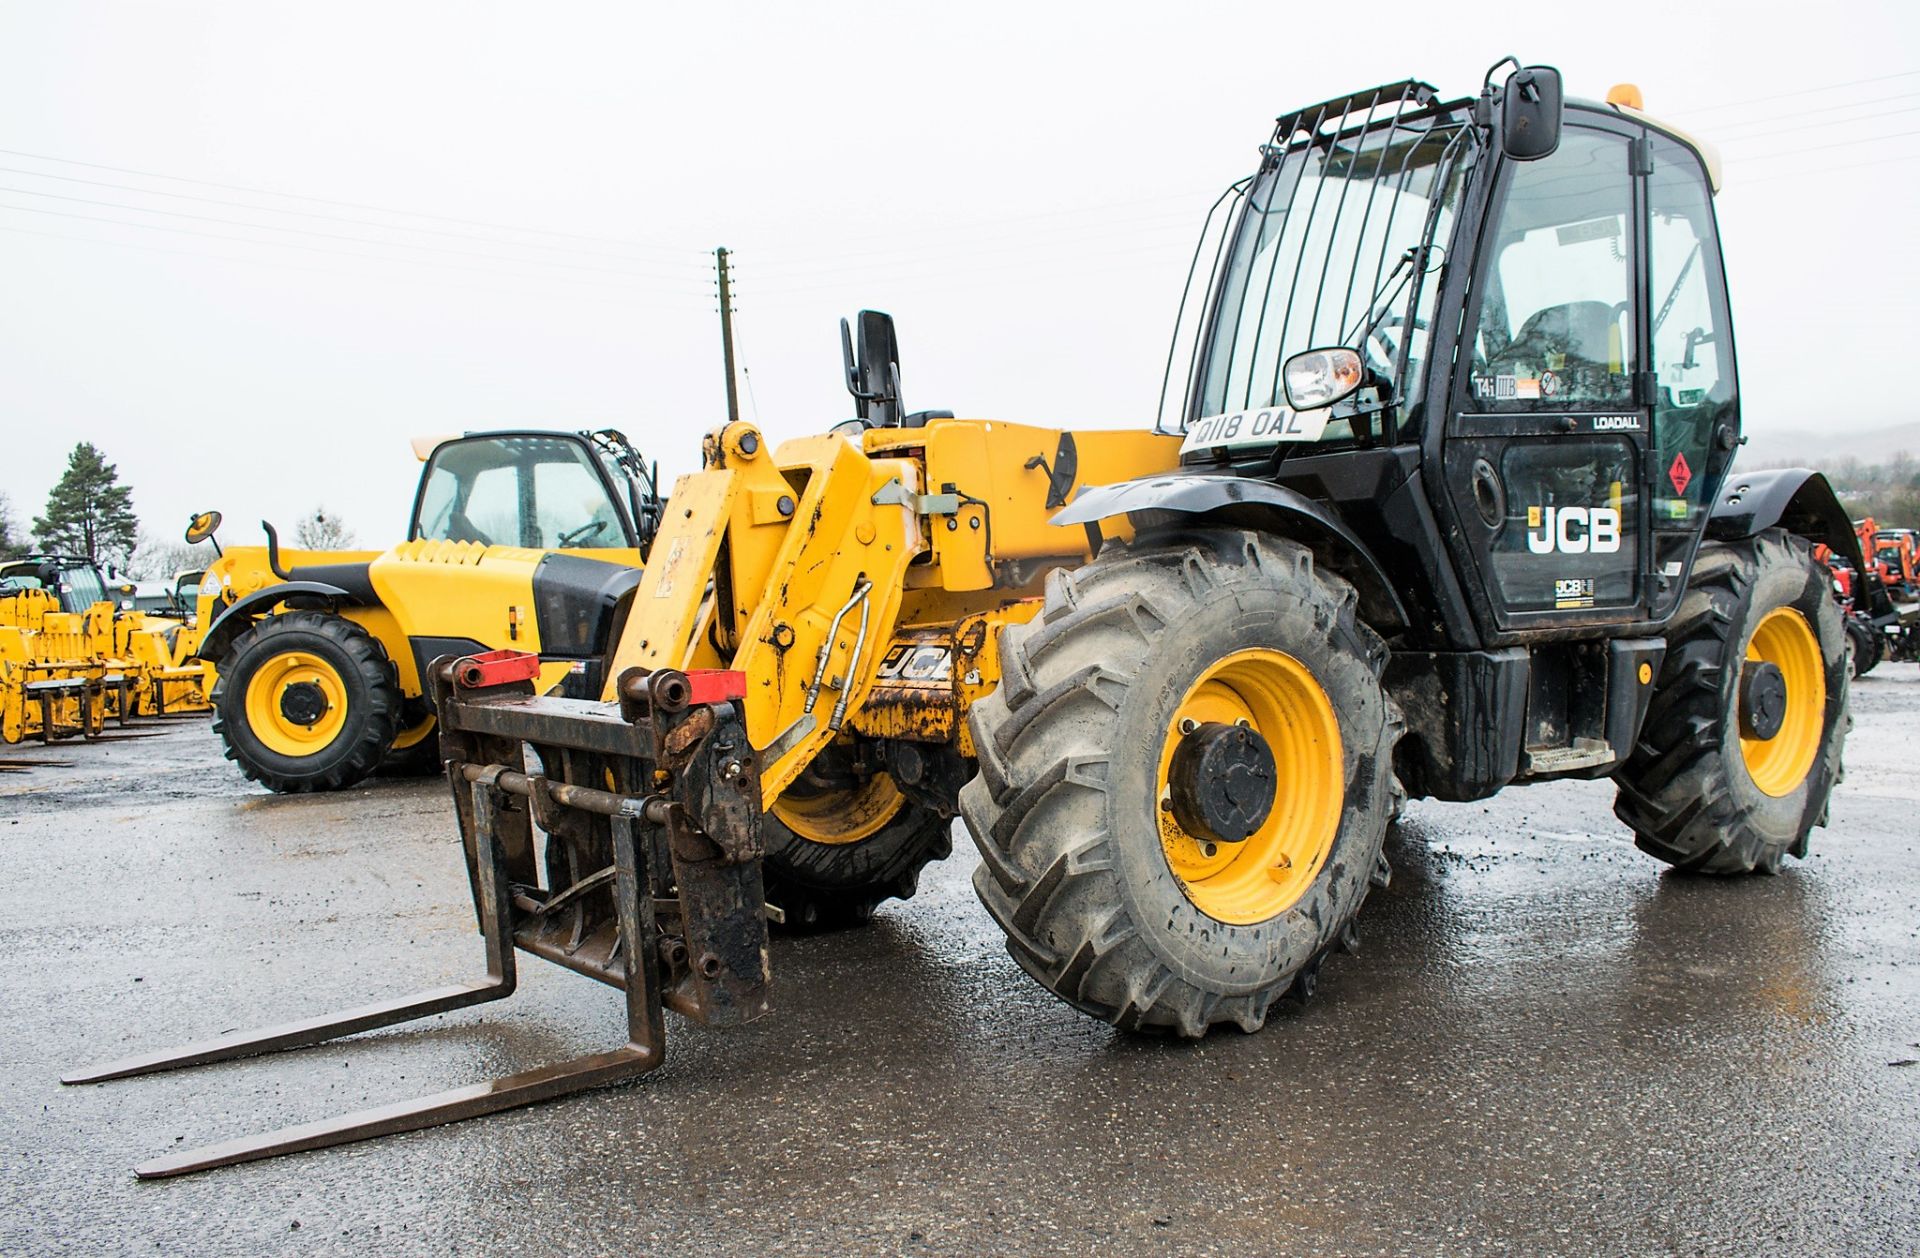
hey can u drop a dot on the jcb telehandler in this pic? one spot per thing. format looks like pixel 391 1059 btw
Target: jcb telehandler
pixel 1449 509
pixel 526 539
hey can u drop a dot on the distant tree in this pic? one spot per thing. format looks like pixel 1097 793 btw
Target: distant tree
pixel 157 560
pixel 13 543
pixel 89 513
pixel 322 530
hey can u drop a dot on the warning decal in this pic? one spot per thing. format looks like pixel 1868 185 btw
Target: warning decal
pixel 1680 474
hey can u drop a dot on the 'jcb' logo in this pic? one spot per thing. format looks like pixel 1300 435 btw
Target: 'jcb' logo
pixel 1573 530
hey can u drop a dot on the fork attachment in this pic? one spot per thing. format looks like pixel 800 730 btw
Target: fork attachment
pixel 649 881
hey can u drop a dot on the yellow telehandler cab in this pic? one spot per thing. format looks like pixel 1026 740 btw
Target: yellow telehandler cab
pixel 1447 506
pixel 524 539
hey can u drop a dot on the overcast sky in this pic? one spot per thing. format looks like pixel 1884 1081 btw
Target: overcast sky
pixel 500 215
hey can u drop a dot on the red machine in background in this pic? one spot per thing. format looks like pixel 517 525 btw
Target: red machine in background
pixel 1893 561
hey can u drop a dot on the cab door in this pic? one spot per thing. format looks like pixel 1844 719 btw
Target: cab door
pixel 1548 429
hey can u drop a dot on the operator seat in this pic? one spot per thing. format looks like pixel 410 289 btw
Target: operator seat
pixel 1578 335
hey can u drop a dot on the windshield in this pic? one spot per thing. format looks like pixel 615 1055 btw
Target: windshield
pixel 1328 250
pixel 81 588
pixel 540 492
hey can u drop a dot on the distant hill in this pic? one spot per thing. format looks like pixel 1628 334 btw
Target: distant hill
pixel 1811 448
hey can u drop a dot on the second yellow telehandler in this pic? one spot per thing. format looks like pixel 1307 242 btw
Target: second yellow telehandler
pixel 526 539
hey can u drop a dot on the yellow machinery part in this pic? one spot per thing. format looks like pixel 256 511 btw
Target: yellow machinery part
pixel 1279 698
pixel 800 568
pixel 1778 765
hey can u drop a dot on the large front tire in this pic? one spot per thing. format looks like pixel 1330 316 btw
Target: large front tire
pixel 1107 899
pixel 1702 791
pixel 306 701
pixel 836 853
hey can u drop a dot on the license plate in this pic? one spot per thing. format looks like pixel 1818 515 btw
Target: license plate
pixel 1264 426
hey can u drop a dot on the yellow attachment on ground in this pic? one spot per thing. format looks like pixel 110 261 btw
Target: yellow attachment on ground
pixel 1778 765
pixel 1279 699
pixel 119 665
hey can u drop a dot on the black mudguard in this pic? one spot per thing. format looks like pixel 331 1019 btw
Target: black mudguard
pixel 1800 501
pixel 238 618
pixel 1244 502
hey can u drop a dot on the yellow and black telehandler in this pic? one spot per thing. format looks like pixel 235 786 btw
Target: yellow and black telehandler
pixel 527 539
pixel 1448 506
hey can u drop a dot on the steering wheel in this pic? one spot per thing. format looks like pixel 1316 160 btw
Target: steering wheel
pixel 586 532
pixel 1380 348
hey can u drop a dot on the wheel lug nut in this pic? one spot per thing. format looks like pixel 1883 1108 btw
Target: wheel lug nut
pixel 1188 725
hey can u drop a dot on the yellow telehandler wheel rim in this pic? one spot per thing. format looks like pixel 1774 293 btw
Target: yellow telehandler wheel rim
pixel 847 815
pixel 413 734
pixel 1778 765
pixel 1281 701
pixel 267 704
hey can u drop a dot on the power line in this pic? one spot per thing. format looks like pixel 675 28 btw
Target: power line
pixel 1810 91
pixel 1802 113
pixel 358 240
pixel 1768 135
pixel 1078 265
pixel 1172 234
pixel 1080 212
pixel 629 300
pixel 351 205
pixel 1038 241
pixel 1817 148
pixel 338 218
pixel 1802 175
pixel 290 244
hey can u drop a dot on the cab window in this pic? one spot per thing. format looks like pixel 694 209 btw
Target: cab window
pixel 1692 336
pixel 537 492
pixel 1555 325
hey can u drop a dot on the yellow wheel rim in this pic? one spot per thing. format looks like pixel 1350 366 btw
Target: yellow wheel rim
pixel 1778 765
pixel 413 734
pixel 841 816
pixel 266 695
pixel 1279 699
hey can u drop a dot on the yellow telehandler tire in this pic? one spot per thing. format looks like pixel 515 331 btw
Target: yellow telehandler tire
pixel 1186 777
pixel 1707 789
pixel 834 856
pixel 306 701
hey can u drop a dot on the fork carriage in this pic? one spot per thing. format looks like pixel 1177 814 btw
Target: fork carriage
pixel 649 881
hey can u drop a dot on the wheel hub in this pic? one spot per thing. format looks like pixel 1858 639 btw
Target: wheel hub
pixel 303 703
pixel 1763 699
pixel 1221 782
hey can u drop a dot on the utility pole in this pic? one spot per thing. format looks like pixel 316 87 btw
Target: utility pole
pixel 726 334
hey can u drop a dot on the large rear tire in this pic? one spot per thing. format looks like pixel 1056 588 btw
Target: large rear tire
pixel 1702 790
pixel 1111 895
pixel 306 701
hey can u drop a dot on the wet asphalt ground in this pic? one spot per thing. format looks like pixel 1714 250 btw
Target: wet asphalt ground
pixel 1546 1045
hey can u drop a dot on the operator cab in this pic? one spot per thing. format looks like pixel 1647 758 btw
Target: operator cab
pixel 1527 314
pixel 539 490
pixel 76 583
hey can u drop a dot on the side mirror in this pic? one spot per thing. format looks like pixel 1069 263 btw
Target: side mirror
pixel 202 526
pixel 1530 113
pixel 1321 377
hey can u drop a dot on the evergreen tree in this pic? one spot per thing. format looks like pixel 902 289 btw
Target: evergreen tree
pixel 89 513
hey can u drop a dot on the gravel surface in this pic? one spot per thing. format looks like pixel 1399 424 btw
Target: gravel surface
pixel 1545 1045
